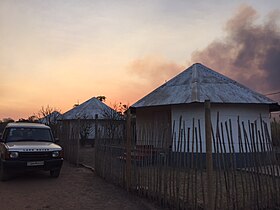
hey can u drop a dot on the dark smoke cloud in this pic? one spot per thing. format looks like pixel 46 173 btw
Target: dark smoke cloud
pixel 250 52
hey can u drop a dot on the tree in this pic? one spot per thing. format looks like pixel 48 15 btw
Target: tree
pixel 76 104
pixel 4 122
pixel 22 120
pixel 121 108
pixel 48 115
pixel 113 117
pixel 7 120
pixel 33 118
pixel 85 128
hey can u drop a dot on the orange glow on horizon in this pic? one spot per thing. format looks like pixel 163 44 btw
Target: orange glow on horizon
pixel 59 52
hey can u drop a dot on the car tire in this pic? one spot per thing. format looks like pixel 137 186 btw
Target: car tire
pixel 55 173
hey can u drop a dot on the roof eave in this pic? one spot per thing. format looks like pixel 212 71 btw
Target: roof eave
pixel 273 107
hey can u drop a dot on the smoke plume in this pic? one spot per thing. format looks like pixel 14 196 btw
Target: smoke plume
pixel 249 53
pixel 154 70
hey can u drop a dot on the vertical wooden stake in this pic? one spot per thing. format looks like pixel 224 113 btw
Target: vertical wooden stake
pixel 209 160
pixel 128 150
pixel 95 129
pixel 78 141
pixel 95 143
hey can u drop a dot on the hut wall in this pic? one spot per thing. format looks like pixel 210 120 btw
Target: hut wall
pixel 154 123
pixel 193 114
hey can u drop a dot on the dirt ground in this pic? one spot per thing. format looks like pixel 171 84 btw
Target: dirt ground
pixel 86 155
pixel 76 188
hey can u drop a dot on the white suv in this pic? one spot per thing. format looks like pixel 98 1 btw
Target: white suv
pixel 29 146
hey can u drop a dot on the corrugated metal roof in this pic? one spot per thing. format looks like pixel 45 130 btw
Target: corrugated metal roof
pixel 197 84
pixel 51 118
pixel 88 110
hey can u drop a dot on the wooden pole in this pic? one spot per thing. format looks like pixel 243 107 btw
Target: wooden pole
pixel 128 151
pixel 96 144
pixel 95 130
pixel 77 132
pixel 209 160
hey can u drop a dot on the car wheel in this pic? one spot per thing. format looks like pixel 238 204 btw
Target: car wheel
pixel 55 173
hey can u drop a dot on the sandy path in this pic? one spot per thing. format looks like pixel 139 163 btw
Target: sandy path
pixel 76 188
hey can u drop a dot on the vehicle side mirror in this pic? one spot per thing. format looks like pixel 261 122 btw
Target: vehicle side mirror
pixel 56 140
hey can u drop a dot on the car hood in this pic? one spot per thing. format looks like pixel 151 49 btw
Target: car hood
pixel 32 146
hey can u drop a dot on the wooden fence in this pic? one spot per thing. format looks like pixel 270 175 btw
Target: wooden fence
pixel 189 174
pixel 68 135
pixel 242 176
pixel 82 151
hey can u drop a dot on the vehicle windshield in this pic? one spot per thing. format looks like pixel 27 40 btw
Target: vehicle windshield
pixel 28 134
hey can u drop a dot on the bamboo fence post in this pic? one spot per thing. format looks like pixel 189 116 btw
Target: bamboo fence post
pixel 165 173
pixel 192 164
pixel 96 149
pixel 146 175
pixel 181 167
pixel 201 165
pixel 256 169
pixel 217 172
pixel 209 161
pixel 76 135
pixel 188 163
pixel 171 166
pixel 177 165
pixel 234 167
pixel 261 166
pixel 219 157
pixel 148 156
pixel 241 153
pixel 264 165
pixel 128 151
pixel 250 170
pixel 196 168
pixel 226 168
pixel 275 169
pixel 185 165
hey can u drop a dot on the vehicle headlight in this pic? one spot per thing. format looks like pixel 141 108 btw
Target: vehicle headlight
pixel 13 154
pixel 55 154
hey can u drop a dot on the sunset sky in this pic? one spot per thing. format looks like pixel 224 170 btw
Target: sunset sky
pixel 60 52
